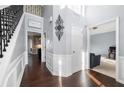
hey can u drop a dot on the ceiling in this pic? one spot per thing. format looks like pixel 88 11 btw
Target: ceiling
pixel 103 28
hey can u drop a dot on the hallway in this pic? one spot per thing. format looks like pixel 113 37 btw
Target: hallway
pixel 37 75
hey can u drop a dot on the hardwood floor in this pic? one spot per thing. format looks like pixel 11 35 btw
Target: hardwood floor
pixel 37 75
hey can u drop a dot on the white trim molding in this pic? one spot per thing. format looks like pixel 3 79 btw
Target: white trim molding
pixel 34 23
pixel 120 73
pixel 12 72
pixel 116 19
pixel 36 26
pixel 60 65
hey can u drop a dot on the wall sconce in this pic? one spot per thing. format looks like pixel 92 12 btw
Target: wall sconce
pixel 51 19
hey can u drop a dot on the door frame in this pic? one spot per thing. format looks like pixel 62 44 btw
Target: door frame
pixel 117 22
pixel 27 44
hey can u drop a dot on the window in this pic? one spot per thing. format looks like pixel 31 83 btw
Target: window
pixel 78 9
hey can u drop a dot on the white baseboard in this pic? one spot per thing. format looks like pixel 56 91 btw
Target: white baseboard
pixel 60 66
pixel 49 68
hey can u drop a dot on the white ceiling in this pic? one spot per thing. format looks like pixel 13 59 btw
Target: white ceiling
pixel 103 28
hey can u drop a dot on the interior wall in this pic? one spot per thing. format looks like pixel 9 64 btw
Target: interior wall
pixel 34 42
pixel 72 22
pixel 48 30
pixel 100 43
pixel 62 47
pixel 96 14
pixel 60 57
pixel 48 27
pixel 17 59
pixel 20 43
pixel 29 44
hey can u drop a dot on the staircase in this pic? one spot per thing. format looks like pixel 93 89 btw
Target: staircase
pixel 9 18
pixel 14 22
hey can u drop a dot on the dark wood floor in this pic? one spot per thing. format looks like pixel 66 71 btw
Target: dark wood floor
pixel 37 75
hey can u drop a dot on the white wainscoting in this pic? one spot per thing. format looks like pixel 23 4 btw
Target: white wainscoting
pixel 62 65
pixel 15 72
pixel 49 61
pixel 59 65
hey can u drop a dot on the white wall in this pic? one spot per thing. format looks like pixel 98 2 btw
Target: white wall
pixel 29 44
pixel 62 47
pixel 100 43
pixel 20 46
pixel 59 60
pixel 48 29
pixel 96 14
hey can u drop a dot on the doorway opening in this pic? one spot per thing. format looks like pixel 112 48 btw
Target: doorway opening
pixel 103 47
pixel 34 46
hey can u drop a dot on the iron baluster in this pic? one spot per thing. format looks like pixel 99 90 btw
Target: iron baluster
pixel 1 50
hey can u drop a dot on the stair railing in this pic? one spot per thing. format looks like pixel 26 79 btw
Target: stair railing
pixel 9 18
